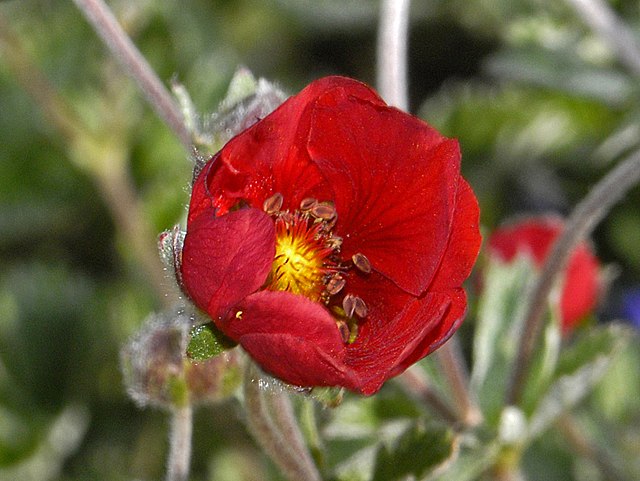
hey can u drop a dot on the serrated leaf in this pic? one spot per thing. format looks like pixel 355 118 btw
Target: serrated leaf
pixel 207 341
pixel 419 450
pixel 580 368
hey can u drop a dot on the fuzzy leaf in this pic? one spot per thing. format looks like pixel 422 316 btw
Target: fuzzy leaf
pixel 207 341
pixel 418 451
pixel 580 368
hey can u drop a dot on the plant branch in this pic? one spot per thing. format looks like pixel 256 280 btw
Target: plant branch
pixel 615 33
pixel 416 382
pixel 179 458
pixel 580 442
pixel 585 217
pixel 269 435
pixel 104 22
pixel 452 363
pixel 392 52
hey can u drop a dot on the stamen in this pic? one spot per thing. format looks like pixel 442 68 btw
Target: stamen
pixel 335 284
pixel 323 210
pixel 354 305
pixel 308 203
pixel 273 204
pixel 361 262
pixel 344 330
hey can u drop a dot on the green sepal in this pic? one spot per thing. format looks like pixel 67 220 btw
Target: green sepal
pixel 207 341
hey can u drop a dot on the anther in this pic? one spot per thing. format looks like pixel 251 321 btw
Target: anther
pixel 344 330
pixel 349 305
pixel 361 262
pixel 335 284
pixel 308 203
pixel 361 308
pixel 273 204
pixel 323 210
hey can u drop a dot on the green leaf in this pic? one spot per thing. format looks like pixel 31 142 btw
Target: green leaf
pixel 500 319
pixel 207 341
pixel 418 451
pixel 580 368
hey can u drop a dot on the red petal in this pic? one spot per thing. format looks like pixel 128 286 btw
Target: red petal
pixel 464 243
pixel 581 287
pixel 270 157
pixel 292 338
pixel 394 180
pixel 382 347
pixel 226 258
pixel 441 333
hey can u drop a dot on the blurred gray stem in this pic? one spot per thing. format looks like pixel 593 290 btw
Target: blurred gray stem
pixel 392 52
pixel 584 218
pixel 614 32
pixel 279 438
pixel 104 22
pixel 178 463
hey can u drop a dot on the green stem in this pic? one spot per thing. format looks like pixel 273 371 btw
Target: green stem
pixel 180 443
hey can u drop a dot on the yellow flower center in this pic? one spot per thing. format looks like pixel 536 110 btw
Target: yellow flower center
pixel 302 260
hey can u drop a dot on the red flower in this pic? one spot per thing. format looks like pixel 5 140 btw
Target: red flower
pixel 331 239
pixel 535 237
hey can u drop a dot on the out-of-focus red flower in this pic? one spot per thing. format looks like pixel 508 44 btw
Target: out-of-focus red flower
pixel 535 237
pixel 331 239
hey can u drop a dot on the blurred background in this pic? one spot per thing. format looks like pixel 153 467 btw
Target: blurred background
pixel 89 176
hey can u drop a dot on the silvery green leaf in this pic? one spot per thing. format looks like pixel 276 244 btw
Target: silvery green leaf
pixel 580 368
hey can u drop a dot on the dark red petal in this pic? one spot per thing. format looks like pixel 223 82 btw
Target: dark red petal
pixel 271 156
pixel 382 347
pixel 394 180
pixel 292 338
pixel 226 258
pixel 441 333
pixel 464 243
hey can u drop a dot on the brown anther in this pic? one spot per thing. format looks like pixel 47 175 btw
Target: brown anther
pixel 361 308
pixel 273 204
pixel 354 305
pixel 323 210
pixel 308 203
pixel 361 262
pixel 344 330
pixel 335 284
pixel 349 305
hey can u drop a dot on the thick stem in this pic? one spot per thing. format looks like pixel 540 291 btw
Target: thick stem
pixel 179 459
pixel 585 217
pixel 392 52
pixel 416 383
pixel 620 38
pixel 269 435
pixel 453 366
pixel 104 22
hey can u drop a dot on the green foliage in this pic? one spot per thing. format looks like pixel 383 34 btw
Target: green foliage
pixel 418 451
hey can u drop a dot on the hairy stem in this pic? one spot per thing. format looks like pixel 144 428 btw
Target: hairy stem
pixel 416 383
pixel 104 22
pixel 615 33
pixel 453 366
pixel 180 443
pixel 269 434
pixel 392 52
pixel 585 217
